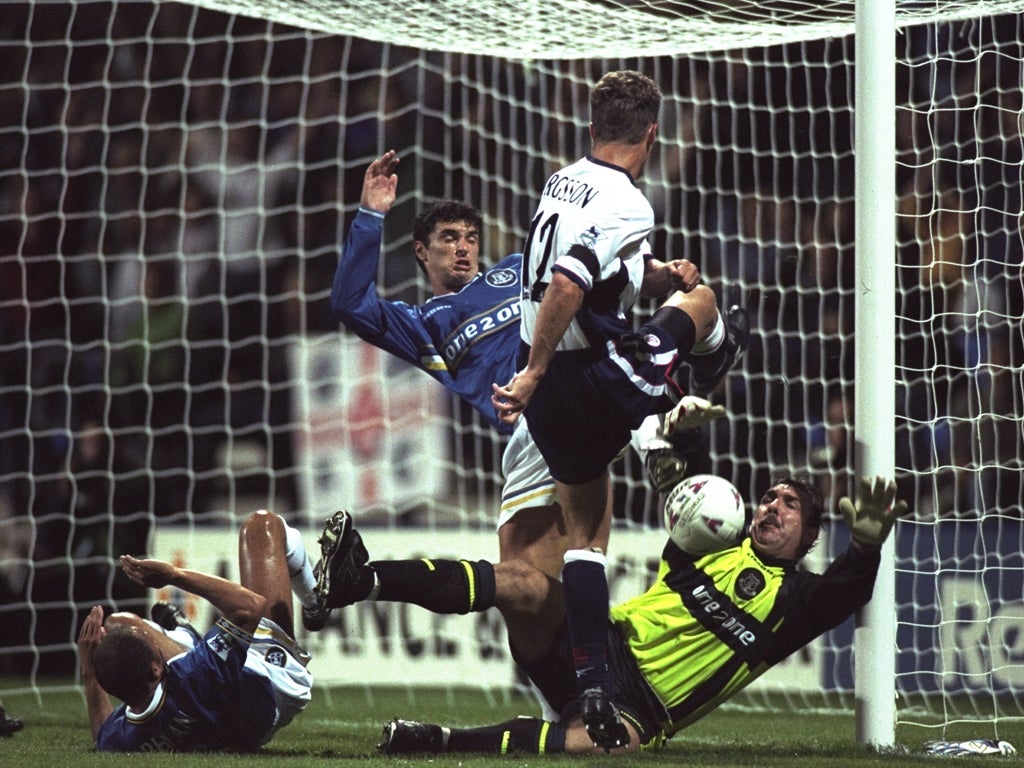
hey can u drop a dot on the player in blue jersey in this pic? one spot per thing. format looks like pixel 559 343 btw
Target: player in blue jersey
pixel 233 689
pixel 584 268
pixel 709 625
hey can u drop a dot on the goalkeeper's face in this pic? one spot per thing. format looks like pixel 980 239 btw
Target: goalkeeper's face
pixel 779 527
pixel 451 256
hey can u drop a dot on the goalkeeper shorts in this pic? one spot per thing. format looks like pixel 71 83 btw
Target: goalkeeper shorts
pixel 554 675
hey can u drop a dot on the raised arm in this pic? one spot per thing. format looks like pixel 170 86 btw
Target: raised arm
pixel 239 605
pixel 379 183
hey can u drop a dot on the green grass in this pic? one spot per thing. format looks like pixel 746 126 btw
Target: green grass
pixel 341 727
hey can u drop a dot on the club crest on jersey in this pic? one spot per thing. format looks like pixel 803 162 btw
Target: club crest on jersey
pixel 499 278
pixel 220 644
pixel 651 341
pixel 589 238
pixel 750 583
pixel 276 656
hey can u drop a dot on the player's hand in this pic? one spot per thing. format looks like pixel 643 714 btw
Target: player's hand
pixel 511 400
pixel 874 514
pixel 691 411
pixel 90 635
pixel 684 274
pixel 148 573
pixel 380 182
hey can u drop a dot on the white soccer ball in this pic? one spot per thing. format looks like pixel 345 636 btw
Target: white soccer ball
pixel 705 513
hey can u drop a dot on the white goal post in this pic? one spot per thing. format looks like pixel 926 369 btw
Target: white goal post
pixel 175 182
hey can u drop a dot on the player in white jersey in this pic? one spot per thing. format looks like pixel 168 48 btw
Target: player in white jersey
pixel 466 336
pixel 586 378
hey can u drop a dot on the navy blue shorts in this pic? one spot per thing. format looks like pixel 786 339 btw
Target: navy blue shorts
pixel 588 402
pixel 555 677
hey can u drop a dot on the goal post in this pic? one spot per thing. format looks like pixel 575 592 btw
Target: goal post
pixel 175 182
pixel 874 360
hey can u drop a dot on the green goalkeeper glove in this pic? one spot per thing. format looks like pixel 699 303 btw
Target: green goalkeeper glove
pixel 874 514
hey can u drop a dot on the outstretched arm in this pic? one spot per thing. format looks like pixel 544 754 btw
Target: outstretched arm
pixel 875 512
pixel 241 606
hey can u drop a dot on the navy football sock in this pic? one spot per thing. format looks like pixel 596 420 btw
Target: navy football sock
pixel 586 611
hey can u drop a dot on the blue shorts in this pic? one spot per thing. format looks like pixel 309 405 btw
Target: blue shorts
pixel 555 677
pixel 589 400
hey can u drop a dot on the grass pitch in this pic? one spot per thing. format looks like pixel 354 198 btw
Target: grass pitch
pixel 341 728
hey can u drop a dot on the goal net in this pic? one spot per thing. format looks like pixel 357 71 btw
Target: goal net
pixel 175 183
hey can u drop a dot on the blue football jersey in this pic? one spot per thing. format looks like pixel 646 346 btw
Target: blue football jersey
pixel 466 340
pixel 208 701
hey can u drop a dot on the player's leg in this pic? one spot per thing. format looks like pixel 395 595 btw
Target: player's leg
pixel 530 523
pixel 535 535
pixel 587 508
pixel 720 338
pixel 263 565
pixel 267 557
pixel 524 735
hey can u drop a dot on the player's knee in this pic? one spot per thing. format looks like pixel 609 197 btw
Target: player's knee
pixel 700 304
pixel 261 523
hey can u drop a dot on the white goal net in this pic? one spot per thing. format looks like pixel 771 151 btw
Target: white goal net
pixel 175 183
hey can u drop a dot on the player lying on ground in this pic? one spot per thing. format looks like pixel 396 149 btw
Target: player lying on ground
pixel 708 626
pixel 230 690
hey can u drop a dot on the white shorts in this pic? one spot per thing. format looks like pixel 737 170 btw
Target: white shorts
pixel 528 483
pixel 277 657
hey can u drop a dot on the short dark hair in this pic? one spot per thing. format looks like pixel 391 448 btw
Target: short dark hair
pixel 444 210
pixel 812 503
pixel 123 662
pixel 623 105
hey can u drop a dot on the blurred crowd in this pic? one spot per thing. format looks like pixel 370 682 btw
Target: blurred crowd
pixel 175 184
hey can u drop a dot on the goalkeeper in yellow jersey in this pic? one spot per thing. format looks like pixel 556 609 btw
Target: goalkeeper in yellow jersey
pixel 706 628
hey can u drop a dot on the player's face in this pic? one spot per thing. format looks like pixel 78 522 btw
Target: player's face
pixel 777 528
pixel 451 255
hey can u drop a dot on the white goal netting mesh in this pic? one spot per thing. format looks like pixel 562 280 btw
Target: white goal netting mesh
pixel 175 182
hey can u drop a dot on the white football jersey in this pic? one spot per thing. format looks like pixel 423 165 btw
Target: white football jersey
pixel 591 224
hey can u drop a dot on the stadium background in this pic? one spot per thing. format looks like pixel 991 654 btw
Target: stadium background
pixel 175 186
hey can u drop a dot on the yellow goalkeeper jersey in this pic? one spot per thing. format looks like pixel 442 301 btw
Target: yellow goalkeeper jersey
pixel 711 625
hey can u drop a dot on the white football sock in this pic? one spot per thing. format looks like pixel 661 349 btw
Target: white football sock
pixel 300 570
pixel 712 341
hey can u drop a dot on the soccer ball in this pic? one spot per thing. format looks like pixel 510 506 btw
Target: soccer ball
pixel 705 513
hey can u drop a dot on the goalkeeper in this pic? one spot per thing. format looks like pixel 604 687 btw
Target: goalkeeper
pixel 230 690
pixel 708 627
pixel 467 336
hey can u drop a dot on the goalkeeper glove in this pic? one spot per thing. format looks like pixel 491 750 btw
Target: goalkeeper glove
pixel 874 514
pixel 973 747
pixel 664 467
pixel 691 411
